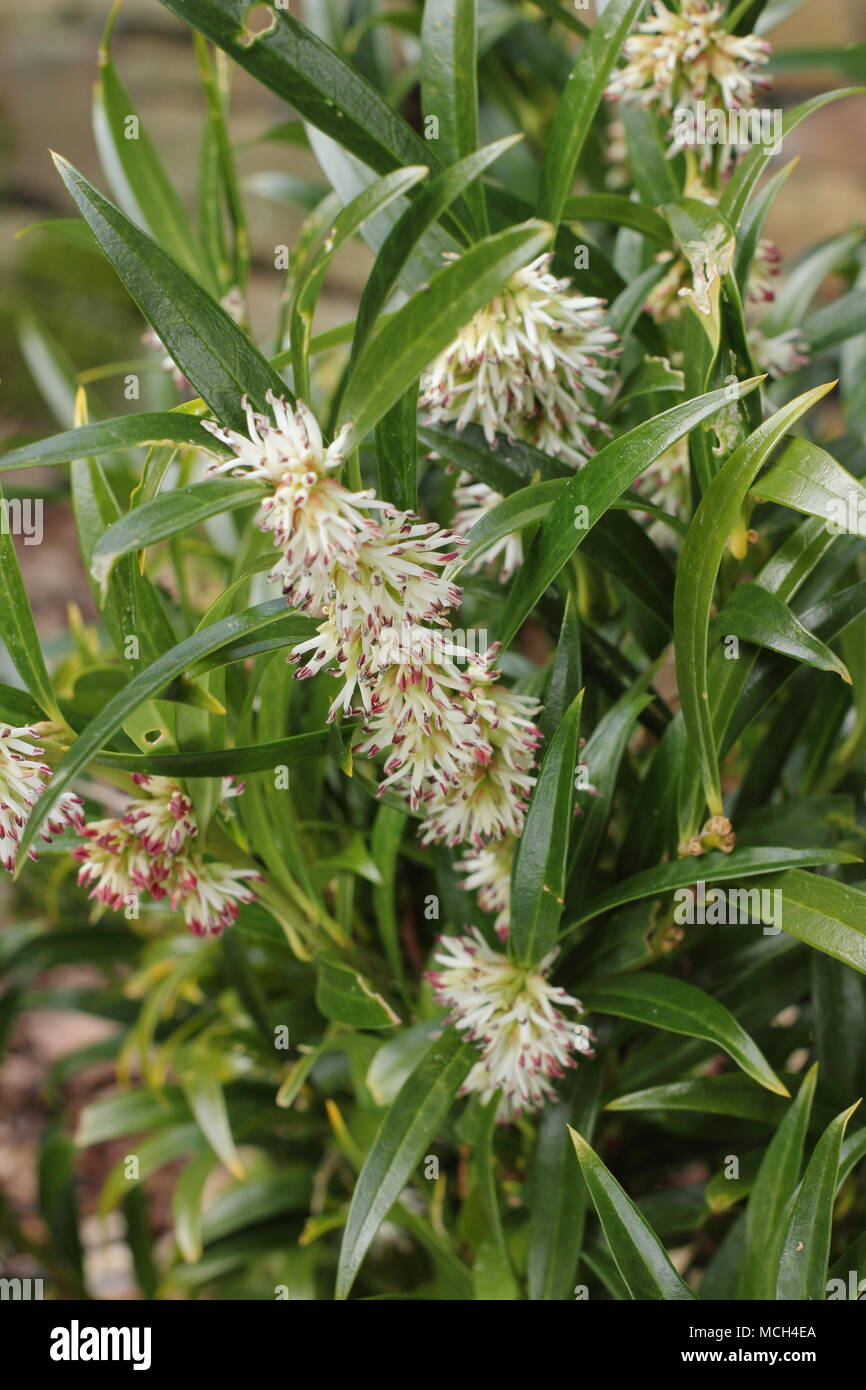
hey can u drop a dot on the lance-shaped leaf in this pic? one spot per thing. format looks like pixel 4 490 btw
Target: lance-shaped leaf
pixel 806 1240
pixel 639 1254
pixel 808 479
pixel 411 1122
pixel 541 855
pixel 829 916
pixel 168 515
pixel 586 497
pixel 672 1004
pixel 205 343
pixel 110 436
pixel 579 101
pixel 449 83
pixel 700 558
pixel 775 1182
pixel 759 616
pixel 714 867
pixel 346 997
pixel 17 628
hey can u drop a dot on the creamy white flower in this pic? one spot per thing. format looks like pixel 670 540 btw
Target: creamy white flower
pixel 488 875
pixel 422 707
pixel 677 57
pixel 208 893
pixel 764 271
pixel 314 520
pixel 116 866
pixel 490 800
pixel 514 1016
pixel 524 364
pixel 474 501
pixel 780 355
pixel 22 780
pixel 396 575
pixel 164 819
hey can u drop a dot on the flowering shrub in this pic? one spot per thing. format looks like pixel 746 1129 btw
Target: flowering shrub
pixel 465 766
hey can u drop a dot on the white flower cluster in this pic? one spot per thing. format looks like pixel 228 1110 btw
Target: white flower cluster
pixel 515 1016
pixel 459 747
pixel 678 57
pixel 522 367
pixel 151 849
pixel 23 778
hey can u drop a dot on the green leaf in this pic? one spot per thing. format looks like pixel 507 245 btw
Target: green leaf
pixel 449 84
pixel 806 1242
pixel 729 1093
pixel 109 436
pixel 345 996
pixel 620 212
pixel 310 77
pixel 773 1188
pixel 186 1206
pixel 557 1193
pixel 663 1002
pixel 808 479
pixel 733 201
pixel 410 1124
pixel 203 340
pixel 639 1254
pixel 541 853
pixel 387 834
pixel 135 172
pixel 603 479
pixel 223 762
pixel 17 628
pixel 198 1076
pixel 759 616
pixel 714 867
pixel 829 916
pixel 169 514
pixel 397 452
pixel 144 686
pixel 429 204
pixel 579 101
pixel 409 340
pixel 714 521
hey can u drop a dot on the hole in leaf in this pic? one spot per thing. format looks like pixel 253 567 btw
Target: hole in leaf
pixel 154 736
pixel 258 21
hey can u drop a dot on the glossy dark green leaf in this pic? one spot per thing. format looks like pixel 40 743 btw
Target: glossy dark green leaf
pixel 805 1252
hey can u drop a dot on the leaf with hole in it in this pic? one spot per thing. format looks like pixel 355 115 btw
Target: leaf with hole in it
pixel 579 102
pixel 205 343
pixel 756 615
pixel 805 1247
pixel 679 1007
pixel 586 497
pixel 775 1183
pixel 408 1127
pixel 541 854
pixel 409 340
pixel 639 1254
pixel 713 523
pixel 808 479
pixel 311 78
